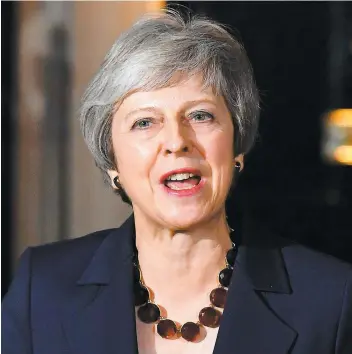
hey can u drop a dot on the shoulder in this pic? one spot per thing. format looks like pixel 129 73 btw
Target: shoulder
pixel 83 244
pixel 311 264
pixel 321 283
pixel 305 267
pixel 66 259
pixel 80 247
pixel 322 293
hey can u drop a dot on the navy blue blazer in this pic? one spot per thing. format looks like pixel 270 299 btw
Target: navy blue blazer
pixel 75 297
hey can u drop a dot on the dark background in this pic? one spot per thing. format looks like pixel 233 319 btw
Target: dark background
pixel 301 53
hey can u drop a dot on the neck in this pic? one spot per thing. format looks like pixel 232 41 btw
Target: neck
pixel 182 264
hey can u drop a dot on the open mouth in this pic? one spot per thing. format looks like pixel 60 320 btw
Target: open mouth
pixel 182 181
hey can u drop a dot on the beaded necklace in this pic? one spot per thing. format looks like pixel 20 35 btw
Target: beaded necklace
pixel 149 312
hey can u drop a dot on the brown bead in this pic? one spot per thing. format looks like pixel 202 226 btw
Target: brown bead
pixel 218 297
pixel 190 331
pixel 209 317
pixel 166 328
pixel 148 313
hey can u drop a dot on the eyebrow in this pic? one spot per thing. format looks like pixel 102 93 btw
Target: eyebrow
pixel 186 105
pixel 144 109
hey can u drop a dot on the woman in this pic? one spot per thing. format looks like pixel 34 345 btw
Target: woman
pixel 168 119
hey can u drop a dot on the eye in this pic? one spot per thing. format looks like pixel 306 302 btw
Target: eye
pixel 201 116
pixel 143 123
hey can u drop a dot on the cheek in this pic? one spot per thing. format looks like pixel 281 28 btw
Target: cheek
pixel 134 160
pixel 219 150
pixel 220 158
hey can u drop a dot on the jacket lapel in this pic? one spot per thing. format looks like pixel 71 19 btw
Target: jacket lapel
pixel 249 325
pixel 99 317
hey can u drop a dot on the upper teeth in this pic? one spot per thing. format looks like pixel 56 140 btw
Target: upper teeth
pixel 180 176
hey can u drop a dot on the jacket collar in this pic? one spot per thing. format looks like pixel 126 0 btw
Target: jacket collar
pixel 115 250
pixel 259 255
pixel 251 322
pixel 99 316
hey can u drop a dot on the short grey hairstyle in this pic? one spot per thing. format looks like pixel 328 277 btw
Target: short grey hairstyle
pixel 148 55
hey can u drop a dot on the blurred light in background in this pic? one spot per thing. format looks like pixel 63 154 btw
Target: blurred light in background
pixel 337 137
pixel 153 6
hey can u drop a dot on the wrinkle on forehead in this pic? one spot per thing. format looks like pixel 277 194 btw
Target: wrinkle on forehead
pixel 177 79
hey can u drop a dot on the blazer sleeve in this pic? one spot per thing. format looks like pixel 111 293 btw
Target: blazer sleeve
pixel 344 332
pixel 15 315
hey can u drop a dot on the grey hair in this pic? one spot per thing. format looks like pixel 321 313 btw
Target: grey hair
pixel 148 55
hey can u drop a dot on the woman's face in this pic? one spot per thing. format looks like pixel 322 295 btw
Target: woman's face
pixel 174 151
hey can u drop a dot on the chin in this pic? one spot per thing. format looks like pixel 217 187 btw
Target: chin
pixel 182 219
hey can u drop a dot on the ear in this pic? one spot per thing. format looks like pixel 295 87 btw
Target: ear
pixel 112 174
pixel 239 159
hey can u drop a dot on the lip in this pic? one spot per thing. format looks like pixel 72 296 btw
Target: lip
pixel 184 192
pixel 180 170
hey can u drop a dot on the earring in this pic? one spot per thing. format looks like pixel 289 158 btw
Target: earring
pixel 116 182
pixel 238 165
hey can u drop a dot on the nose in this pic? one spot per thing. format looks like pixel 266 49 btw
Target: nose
pixel 176 139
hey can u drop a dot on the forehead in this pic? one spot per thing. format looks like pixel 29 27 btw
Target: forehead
pixel 181 89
